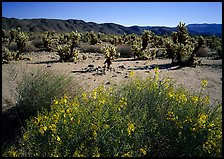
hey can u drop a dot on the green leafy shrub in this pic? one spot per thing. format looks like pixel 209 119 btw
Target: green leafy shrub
pixel 145 118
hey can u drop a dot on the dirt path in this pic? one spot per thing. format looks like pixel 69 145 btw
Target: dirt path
pixel 92 76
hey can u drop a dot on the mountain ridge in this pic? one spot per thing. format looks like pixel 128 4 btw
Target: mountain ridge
pixel 61 26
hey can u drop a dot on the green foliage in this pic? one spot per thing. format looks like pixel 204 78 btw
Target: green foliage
pixel 8 55
pixel 109 52
pixel 21 39
pixel 37 89
pixel 145 38
pixel 66 55
pixel 47 40
pixel 181 49
pixel 66 51
pixel 145 118
pixel 93 38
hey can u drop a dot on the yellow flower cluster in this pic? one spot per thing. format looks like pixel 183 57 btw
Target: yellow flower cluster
pixel 128 154
pixel 202 118
pixel 171 116
pixel 194 99
pixel 181 97
pixel 156 69
pixel 143 151
pixel 122 102
pixel 131 128
pixel 204 83
pixel 211 144
pixel 132 73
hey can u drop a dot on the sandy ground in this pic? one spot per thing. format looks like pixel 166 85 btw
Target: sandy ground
pixel 190 78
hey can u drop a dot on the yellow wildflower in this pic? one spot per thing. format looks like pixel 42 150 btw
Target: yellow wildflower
pixel 202 120
pixel 204 83
pixel 56 102
pixel 206 99
pixel 131 128
pixel 123 102
pixel 132 73
pixel 84 96
pixel 156 69
pixel 58 138
pixel 171 116
pixel 53 128
pixel 183 98
pixel 193 129
pixel 94 94
pixel 194 99
pixel 128 154
pixel 43 129
pixel 102 101
pixel 143 151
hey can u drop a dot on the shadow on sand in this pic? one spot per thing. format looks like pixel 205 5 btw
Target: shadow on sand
pixel 46 62
pixel 167 66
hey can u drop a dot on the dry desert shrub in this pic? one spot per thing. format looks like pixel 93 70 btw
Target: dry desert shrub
pixel 125 51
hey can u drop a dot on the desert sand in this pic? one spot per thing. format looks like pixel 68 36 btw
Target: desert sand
pixel 89 73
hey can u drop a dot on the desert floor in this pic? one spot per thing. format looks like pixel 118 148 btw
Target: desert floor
pixel 89 73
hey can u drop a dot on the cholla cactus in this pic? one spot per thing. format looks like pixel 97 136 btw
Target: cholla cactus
pixel 7 55
pixel 66 54
pixel 109 53
pixel 93 38
pixel 47 40
pixel 181 50
pixel 145 38
pixel 75 36
pixel 21 39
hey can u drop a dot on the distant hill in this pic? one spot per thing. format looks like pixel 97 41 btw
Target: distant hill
pixel 205 29
pixel 61 26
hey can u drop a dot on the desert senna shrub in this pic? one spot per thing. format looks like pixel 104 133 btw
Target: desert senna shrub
pixel 145 117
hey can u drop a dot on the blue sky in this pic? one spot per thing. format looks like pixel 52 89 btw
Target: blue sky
pixel 124 13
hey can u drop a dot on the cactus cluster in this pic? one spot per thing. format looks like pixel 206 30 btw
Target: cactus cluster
pixel 67 52
pixel 47 40
pixel 93 38
pixel 66 55
pixel 21 40
pixel 109 52
pixel 181 48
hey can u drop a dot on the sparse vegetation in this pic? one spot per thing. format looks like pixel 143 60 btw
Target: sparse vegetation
pixel 142 118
